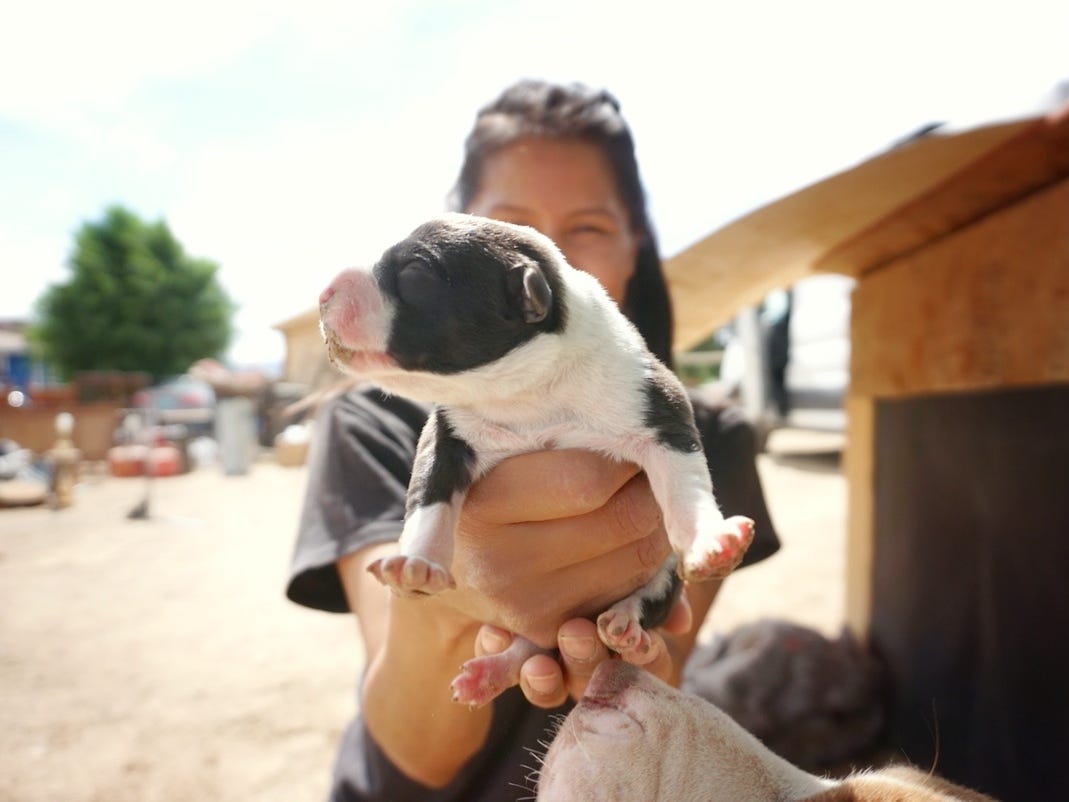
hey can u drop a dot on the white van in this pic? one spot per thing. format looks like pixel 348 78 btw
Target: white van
pixel 788 360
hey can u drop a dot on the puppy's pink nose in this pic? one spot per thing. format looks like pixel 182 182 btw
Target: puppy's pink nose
pixel 326 295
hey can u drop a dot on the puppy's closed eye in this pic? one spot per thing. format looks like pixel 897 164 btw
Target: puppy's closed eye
pixel 419 284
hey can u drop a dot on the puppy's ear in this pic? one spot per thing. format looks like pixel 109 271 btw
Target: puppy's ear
pixel 537 296
pixel 531 290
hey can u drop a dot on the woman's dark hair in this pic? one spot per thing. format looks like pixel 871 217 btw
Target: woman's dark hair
pixel 573 111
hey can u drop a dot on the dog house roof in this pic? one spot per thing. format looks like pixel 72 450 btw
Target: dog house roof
pixel 863 217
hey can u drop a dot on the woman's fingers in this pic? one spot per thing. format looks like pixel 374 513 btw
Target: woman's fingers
pixel 542 681
pixel 547 682
pixel 581 652
pixel 541 678
pixel 546 485
pixel 628 517
pixel 491 640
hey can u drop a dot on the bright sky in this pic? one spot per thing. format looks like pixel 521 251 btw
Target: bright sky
pixel 286 141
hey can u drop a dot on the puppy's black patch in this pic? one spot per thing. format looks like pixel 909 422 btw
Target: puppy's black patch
pixel 655 610
pixel 444 464
pixel 465 295
pixel 668 412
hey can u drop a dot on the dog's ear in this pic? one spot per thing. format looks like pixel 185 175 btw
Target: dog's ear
pixel 537 296
pixel 530 290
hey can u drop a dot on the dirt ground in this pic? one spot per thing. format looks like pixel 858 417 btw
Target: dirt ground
pixel 159 660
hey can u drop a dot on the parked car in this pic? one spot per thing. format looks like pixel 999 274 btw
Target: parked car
pixel 180 400
pixel 790 362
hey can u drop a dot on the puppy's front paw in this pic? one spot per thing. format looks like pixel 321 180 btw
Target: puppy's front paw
pixel 714 555
pixel 411 577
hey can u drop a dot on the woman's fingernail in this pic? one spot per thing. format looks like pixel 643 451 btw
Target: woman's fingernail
pixel 582 648
pixel 545 684
pixel 492 641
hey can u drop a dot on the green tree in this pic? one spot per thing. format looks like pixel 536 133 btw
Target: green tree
pixel 135 301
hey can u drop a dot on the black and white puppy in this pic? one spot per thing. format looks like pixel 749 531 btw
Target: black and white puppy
pixel 521 352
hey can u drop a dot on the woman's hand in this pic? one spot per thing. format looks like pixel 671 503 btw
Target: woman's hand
pixel 547 682
pixel 552 536
pixel 545 542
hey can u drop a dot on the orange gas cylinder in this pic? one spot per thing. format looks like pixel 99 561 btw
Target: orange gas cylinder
pixel 165 460
pixel 127 460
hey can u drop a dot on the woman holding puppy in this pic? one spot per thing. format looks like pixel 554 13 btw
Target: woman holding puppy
pixel 546 540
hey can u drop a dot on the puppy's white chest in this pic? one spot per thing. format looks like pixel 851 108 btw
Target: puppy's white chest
pixel 494 441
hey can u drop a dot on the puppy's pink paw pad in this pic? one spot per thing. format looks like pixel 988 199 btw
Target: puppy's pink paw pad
pixel 481 679
pixel 621 632
pixel 411 577
pixel 717 554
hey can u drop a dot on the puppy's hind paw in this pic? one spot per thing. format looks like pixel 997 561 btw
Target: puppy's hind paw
pixel 411 577
pixel 714 555
pixel 481 679
pixel 622 632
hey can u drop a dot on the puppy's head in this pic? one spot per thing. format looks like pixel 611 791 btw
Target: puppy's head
pixel 461 292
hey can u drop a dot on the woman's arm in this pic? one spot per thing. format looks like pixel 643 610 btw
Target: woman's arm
pixel 414 647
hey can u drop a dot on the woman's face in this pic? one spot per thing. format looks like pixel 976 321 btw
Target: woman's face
pixel 565 189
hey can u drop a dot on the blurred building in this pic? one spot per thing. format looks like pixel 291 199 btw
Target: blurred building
pixel 17 368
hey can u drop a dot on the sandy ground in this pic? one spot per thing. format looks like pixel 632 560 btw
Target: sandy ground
pixel 159 660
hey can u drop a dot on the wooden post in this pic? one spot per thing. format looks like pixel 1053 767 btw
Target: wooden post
pixel 860 481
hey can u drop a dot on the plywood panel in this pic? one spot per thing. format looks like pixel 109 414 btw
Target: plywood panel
pixel 986 307
pixel 970 605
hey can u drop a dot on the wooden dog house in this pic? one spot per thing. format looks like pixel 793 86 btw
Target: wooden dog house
pixel 958 444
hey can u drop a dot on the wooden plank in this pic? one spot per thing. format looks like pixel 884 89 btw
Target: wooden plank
pixel 1032 159
pixel 859 471
pixel 983 308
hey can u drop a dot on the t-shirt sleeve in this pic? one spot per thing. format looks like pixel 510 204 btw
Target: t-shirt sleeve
pixel 730 444
pixel 359 464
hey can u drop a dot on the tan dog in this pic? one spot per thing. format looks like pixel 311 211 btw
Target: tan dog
pixel 633 737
